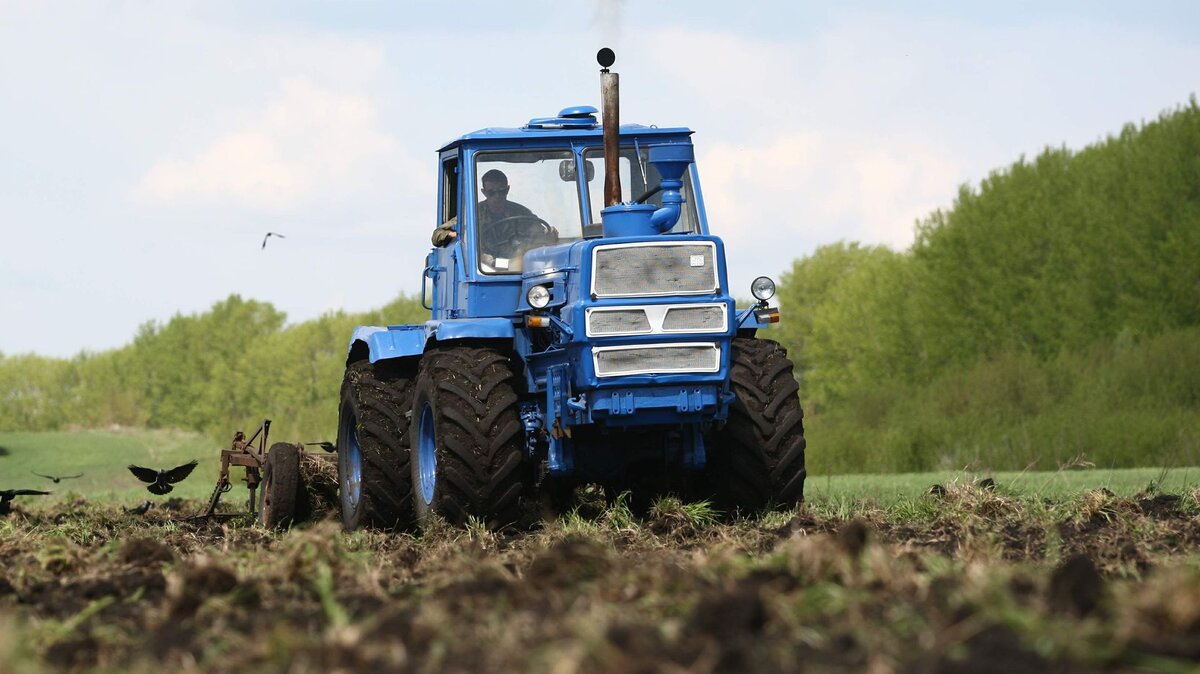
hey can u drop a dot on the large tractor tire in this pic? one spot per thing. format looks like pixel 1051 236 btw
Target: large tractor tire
pixel 467 438
pixel 758 458
pixel 282 488
pixel 374 480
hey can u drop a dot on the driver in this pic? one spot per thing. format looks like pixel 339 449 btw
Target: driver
pixel 505 227
pixel 494 207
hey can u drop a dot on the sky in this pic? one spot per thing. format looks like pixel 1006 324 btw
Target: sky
pixel 146 148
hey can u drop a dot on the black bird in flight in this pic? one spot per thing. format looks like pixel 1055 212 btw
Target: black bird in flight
pixel 269 235
pixel 326 445
pixel 7 495
pixel 161 480
pixel 57 478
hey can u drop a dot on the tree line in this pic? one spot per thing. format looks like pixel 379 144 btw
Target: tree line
pixel 1052 312
pixel 214 372
pixel 1051 315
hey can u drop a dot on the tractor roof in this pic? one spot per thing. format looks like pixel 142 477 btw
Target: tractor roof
pixel 575 122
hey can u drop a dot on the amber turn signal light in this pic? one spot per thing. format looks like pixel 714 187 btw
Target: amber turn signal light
pixel 767 315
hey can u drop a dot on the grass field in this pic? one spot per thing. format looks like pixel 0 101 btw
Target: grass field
pixel 102 456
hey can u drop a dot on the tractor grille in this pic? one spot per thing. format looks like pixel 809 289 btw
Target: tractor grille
pixel 656 319
pixel 695 319
pixel 656 359
pixel 649 269
pixel 618 321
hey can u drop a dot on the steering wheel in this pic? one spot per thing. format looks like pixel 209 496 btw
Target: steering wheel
pixel 545 226
pixel 517 232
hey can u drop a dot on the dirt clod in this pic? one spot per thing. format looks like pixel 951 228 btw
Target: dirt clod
pixel 853 537
pixel 196 584
pixel 1075 586
pixel 145 552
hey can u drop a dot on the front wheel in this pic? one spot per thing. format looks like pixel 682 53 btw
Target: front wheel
pixel 467 438
pixel 758 459
pixel 372 444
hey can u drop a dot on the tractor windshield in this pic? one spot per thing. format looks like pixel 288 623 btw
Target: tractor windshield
pixel 525 200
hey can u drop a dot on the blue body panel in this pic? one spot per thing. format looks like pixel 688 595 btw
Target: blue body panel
pixel 591 134
pixel 400 341
pixel 394 341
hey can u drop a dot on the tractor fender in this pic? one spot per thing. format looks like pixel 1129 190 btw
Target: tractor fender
pixel 375 343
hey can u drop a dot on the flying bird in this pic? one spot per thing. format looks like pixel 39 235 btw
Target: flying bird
pixel 269 235
pixel 56 478
pixel 161 480
pixel 326 445
pixel 7 495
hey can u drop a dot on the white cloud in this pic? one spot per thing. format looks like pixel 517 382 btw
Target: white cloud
pixel 309 143
pixel 812 188
pixel 794 160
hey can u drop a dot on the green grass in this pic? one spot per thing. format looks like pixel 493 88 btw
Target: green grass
pixel 102 457
pixel 887 490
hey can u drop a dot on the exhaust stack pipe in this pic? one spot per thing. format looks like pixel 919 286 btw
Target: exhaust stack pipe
pixel 610 98
pixel 636 219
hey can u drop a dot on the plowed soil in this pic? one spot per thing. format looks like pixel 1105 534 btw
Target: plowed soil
pixel 972 580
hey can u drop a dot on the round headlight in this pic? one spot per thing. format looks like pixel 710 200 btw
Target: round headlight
pixel 762 288
pixel 538 297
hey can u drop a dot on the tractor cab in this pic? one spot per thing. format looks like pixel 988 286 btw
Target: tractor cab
pixel 516 190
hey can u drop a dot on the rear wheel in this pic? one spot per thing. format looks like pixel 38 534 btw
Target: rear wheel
pixel 467 438
pixel 281 486
pixel 758 459
pixel 373 459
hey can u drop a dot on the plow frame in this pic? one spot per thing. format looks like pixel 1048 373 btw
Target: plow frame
pixel 246 454
pixel 252 455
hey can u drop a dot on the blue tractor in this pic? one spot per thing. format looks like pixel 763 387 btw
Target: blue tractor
pixel 578 331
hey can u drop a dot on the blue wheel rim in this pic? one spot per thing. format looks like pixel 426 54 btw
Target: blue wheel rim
pixel 352 477
pixel 426 453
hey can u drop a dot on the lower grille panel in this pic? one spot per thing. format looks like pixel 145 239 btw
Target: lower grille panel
pixel 653 359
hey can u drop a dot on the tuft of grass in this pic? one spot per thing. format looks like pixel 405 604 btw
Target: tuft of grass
pixel 68 626
pixel 618 516
pixel 323 584
pixel 697 514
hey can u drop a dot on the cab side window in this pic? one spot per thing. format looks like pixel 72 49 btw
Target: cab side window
pixel 450 189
